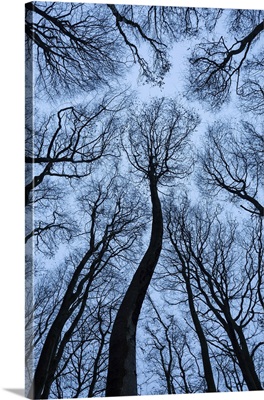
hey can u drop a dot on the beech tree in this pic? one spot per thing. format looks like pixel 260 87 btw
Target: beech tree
pixel 72 45
pixel 175 222
pixel 212 251
pixel 83 366
pixel 167 348
pixel 66 143
pixel 232 163
pixel 85 46
pixel 220 64
pixel 104 240
pixel 157 147
pixel 61 149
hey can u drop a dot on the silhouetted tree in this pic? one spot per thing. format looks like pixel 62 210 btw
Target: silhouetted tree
pixel 175 222
pixel 73 46
pixel 157 147
pixel 106 235
pixel 212 251
pixel 232 163
pixel 219 64
pixel 168 349
pixel 78 46
pixel 66 143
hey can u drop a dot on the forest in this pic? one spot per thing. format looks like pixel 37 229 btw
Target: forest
pixel 144 160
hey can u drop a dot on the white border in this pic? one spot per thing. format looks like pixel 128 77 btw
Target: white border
pixel 12 195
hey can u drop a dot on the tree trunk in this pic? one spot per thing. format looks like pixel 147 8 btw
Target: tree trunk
pixel 51 343
pixel 242 353
pixel 208 373
pixel 122 377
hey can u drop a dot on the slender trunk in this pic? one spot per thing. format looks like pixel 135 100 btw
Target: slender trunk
pixel 122 379
pixel 96 363
pixel 169 380
pixel 51 343
pixel 208 373
pixel 233 330
pixel 61 346
pixel 251 367
pixel 241 351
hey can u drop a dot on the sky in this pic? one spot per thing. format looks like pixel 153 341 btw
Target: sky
pixel 12 196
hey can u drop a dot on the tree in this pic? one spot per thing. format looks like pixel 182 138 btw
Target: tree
pixel 156 146
pixel 82 369
pixel 213 253
pixel 72 46
pixel 175 222
pixel 217 65
pixel 232 163
pixel 40 311
pixel 164 361
pixel 107 235
pixel 169 351
pixel 67 142
pixel 62 148
pixel 85 46
pixel 155 27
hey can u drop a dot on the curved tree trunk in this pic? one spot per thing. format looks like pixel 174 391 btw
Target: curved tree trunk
pixel 122 378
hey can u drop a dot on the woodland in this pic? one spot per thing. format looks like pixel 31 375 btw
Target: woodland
pixel 144 207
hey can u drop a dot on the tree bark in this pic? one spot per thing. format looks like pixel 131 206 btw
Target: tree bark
pixel 122 377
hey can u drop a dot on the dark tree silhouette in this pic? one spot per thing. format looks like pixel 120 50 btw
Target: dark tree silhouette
pixel 86 46
pixel 216 64
pixel 169 352
pixel 232 163
pixel 210 248
pixel 83 366
pixel 175 222
pixel 61 149
pixel 105 240
pixel 76 46
pixel 164 346
pixel 66 143
pixel 156 146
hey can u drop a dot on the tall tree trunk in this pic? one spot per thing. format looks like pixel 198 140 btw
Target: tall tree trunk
pixel 122 377
pixel 208 372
